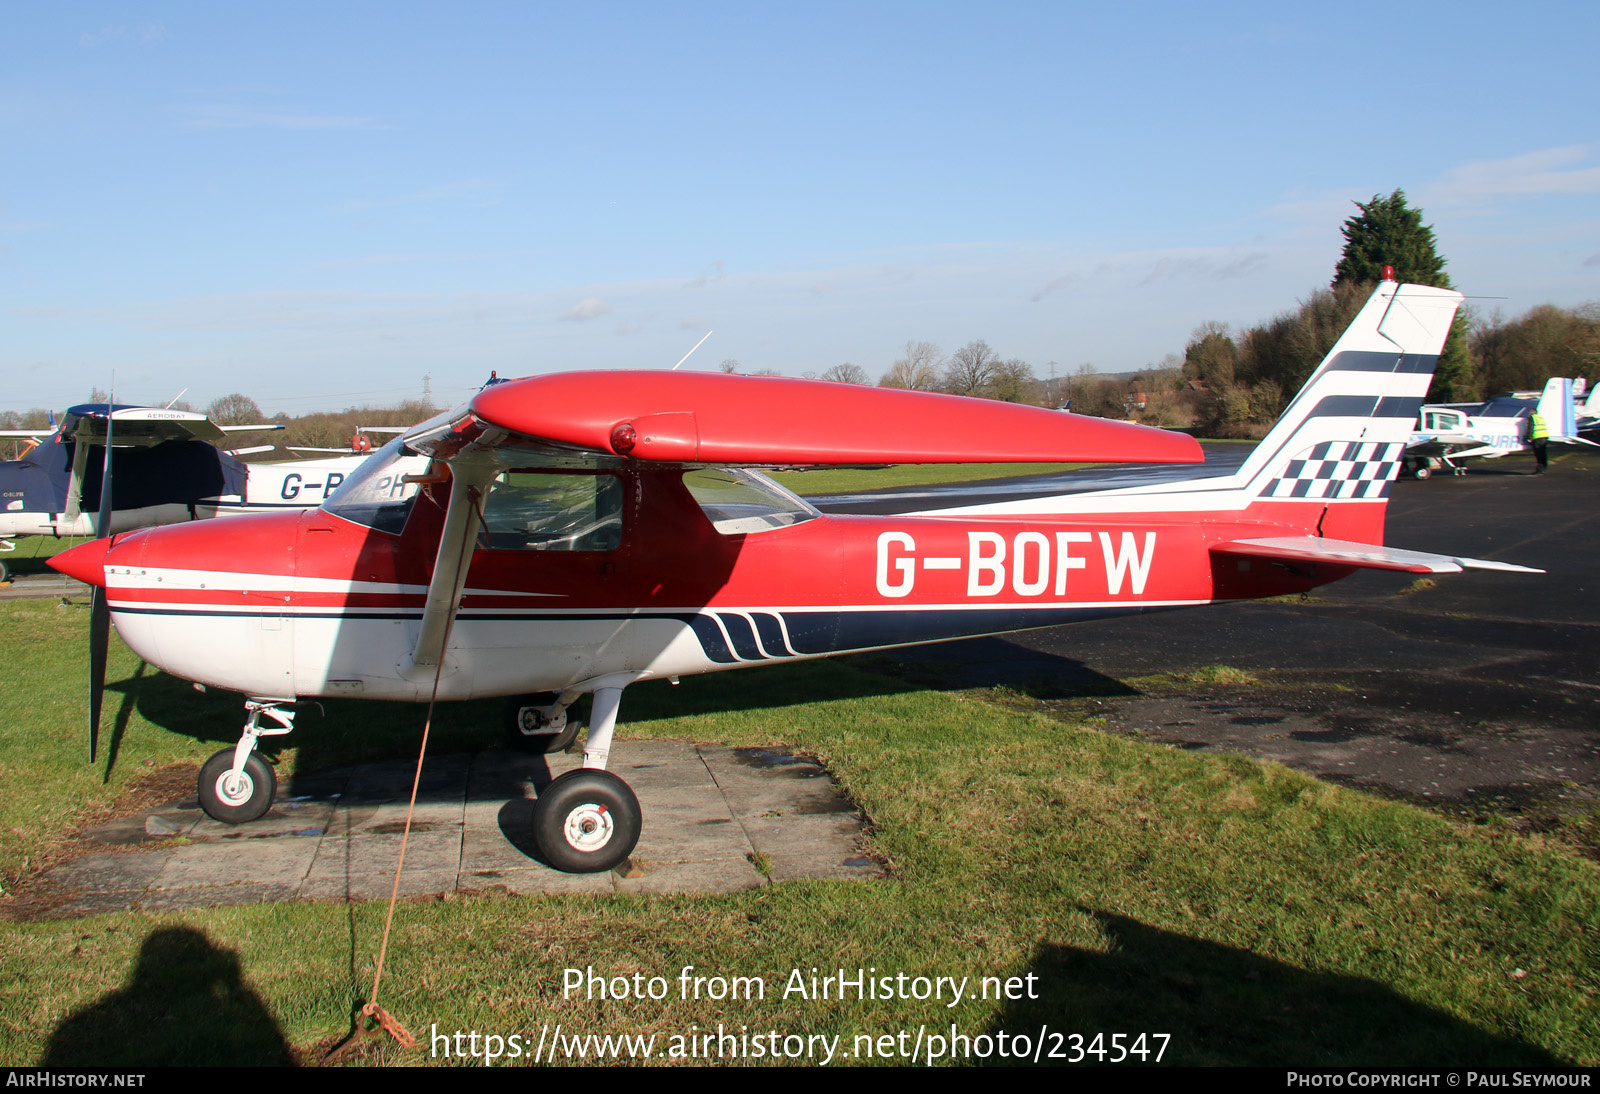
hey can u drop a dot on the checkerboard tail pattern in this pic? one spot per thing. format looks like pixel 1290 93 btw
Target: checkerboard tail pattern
pixel 1339 469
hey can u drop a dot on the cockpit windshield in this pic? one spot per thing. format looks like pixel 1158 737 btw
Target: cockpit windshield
pixel 376 495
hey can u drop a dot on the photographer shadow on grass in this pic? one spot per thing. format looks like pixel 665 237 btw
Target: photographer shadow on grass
pixel 186 1002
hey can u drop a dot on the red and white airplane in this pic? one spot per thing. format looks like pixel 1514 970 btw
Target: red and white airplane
pixel 577 533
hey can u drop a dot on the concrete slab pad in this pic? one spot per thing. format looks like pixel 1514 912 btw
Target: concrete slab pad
pixel 208 865
pixel 541 879
pixel 413 883
pixel 710 813
pixel 369 854
pixel 715 876
pixel 131 872
pixel 178 900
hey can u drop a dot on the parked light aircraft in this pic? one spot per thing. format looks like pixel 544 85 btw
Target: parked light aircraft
pixel 1449 432
pixel 164 471
pixel 577 533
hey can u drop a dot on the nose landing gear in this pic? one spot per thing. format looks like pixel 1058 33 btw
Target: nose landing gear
pixel 236 784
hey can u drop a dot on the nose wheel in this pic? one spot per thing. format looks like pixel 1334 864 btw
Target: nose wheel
pixel 237 785
pixel 587 821
pixel 236 797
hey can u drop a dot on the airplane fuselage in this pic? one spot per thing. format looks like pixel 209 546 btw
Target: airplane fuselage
pixel 311 604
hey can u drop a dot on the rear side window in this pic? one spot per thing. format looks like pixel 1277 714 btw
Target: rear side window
pixel 741 502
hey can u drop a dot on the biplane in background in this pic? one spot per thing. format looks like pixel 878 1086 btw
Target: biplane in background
pixel 577 533
pixel 166 469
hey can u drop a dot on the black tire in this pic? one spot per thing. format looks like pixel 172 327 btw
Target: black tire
pixel 522 732
pixel 244 802
pixel 1422 472
pixel 586 822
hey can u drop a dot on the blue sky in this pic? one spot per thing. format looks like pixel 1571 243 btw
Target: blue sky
pixel 317 205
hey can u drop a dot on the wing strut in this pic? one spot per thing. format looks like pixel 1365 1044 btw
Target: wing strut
pixel 80 463
pixel 468 485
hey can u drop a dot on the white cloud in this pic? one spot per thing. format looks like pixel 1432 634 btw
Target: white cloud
pixel 445 191
pixel 227 116
pixel 1058 283
pixel 144 34
pixel 1210 268
pixel 1568 170
pixel 587 308
pixel 362 263
pixel 713 274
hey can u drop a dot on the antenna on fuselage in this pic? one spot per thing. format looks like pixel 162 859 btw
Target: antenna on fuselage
pixel 696 346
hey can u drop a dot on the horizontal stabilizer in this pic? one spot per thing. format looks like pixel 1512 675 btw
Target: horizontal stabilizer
pixel 690 417
pixel 1372 556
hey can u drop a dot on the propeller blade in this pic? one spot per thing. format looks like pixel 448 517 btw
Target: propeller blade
pixel 99 640
pixel 99 609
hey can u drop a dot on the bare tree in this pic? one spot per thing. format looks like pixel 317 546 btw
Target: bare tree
pixel 916 369
pixel 235 409
pixel 847 374
pixel 971 369
pixel 1013 382
pixel 730 365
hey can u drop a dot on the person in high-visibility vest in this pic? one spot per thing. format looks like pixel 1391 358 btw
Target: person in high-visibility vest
pixel 1538 440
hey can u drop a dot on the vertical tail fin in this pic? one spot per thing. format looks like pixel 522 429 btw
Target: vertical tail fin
pixel 1343 436
pixel 1341 440
pixel 1559 409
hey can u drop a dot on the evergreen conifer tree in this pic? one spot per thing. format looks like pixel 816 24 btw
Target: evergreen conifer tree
pixel 1391 233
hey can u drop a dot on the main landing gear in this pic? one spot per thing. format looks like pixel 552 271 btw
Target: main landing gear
pixel 236 784
pixel 588 820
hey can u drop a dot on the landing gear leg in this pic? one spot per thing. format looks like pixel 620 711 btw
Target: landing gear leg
pixel 588 821
pixel 236 786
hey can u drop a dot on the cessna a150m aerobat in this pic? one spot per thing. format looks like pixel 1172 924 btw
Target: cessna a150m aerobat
pixel 577 533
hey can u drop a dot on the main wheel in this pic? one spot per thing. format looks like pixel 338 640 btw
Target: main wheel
pixel 236 799
pixel 1422 472
pixel 526 729
pixel 587 821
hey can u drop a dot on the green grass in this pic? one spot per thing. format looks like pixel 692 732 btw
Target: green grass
pixel 32 553
pixel 851 480
pixel 1255 914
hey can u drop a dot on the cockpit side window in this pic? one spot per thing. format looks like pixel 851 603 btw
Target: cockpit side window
pixel 545 511
pixel 742 502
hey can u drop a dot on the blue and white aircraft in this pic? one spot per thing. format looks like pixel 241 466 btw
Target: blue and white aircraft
pixel 166 470
pixel 1448 432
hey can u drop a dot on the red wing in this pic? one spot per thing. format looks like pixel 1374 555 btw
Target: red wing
pixel 694 417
